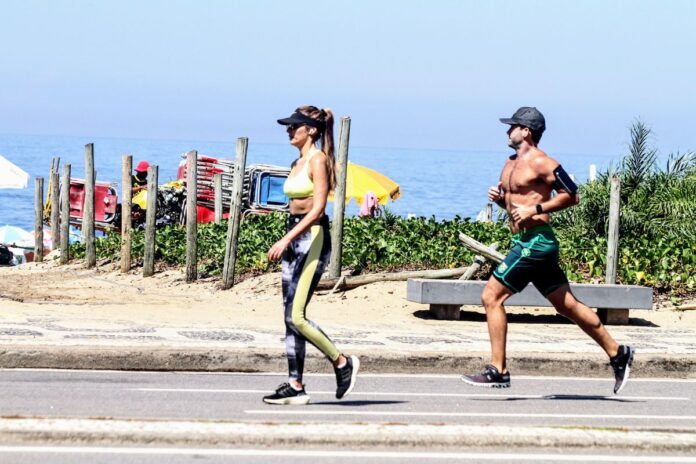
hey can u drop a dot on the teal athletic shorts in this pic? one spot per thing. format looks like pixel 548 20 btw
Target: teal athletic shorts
pixel 533 258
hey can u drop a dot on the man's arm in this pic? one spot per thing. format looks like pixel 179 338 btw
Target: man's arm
pixel 566 190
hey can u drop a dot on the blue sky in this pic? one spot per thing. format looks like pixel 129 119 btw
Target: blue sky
pixel 412 74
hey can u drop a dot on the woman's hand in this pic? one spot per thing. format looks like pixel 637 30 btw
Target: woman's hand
pixel 276 251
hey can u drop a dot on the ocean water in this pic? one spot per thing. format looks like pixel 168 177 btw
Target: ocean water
pixel 438 183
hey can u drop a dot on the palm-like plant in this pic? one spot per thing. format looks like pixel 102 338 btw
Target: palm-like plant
pixel 654 203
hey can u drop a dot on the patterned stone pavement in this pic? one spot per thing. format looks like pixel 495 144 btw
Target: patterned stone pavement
pixel 450 338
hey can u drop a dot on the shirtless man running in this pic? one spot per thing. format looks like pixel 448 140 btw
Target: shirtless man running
pixel 526 183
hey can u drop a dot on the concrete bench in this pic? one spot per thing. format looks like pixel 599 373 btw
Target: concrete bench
pixel 446 296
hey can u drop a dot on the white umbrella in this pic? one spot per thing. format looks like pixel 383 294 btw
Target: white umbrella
pixel 11 176
pixel 10 235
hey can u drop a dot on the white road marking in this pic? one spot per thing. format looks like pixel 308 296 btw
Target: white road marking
pixel 424 394
pixel 307 412
pixel 508 457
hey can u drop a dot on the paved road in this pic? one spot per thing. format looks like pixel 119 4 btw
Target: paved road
pixel 85 455
pixel 413 402
pixel 653 403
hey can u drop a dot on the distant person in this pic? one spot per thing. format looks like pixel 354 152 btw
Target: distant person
pixel 305 251
pixel 525 190
pixel 139 181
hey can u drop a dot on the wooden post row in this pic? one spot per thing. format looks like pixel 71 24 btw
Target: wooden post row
pixel 235 214
pixel 339 200
pixel 191 216
pixel 38 219
pixel 88 209
pixel 55 209
pixel 65 216
pixel 150 219
pixel 126 213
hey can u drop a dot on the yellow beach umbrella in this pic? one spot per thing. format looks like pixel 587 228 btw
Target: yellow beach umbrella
pixel 360 180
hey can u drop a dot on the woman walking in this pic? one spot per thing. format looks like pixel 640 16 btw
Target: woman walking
pixel 305 251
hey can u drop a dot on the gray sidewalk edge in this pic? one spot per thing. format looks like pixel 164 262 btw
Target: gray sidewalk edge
pixel 266 360
pixel 353 435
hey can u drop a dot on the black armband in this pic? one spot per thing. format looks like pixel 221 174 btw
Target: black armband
pixel 563 181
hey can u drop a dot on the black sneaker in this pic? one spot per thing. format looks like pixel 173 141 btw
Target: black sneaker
pixel 490 377
pixel 286 394
pixel 346 375
pixel 621 363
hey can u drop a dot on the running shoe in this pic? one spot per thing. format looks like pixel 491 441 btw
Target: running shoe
pixel 346 376
pixel 621 363
pixel 286 394
pixel 490 377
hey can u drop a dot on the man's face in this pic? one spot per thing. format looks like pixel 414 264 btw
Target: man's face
pixel 516 135
pixel 142 175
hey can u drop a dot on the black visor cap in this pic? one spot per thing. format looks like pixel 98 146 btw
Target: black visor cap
pixel 299 118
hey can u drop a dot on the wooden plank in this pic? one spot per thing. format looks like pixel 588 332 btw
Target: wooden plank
pixel 476 265
pixel 339 201
pixel 38 219
pixel 88 235
pixel 150 219
pixel 65 215
pixel 235 218
pixel 191 216
pixel 348 282
pixel 126 212
pixel 463 292
pixel 482 249
pixel 55 209
pixel 613 232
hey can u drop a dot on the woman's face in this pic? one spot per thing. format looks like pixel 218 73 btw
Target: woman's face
pixel 298 133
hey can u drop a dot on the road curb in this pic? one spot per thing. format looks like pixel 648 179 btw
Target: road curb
pixel 339 435
pixel 272 360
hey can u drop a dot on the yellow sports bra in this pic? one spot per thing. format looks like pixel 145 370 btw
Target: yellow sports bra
pixel 300 185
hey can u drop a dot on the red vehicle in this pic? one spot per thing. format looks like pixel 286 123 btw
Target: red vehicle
pixel 105 203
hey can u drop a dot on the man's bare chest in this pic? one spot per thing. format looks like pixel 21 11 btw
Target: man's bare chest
pixel 519 176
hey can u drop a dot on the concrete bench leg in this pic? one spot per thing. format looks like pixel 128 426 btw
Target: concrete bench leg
pixel 445 311
pixel 610 316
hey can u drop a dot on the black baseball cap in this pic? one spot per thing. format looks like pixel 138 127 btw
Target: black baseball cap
pixel 299 118
pixel 527 116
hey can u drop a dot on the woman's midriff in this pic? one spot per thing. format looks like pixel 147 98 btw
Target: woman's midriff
pixel 301 205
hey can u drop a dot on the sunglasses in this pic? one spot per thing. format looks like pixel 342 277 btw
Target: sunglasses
pixel 294 127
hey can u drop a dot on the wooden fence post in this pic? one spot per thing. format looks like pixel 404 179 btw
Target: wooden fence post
pixel 126 213
pixel 38 219
pixel 612 315
pixel 235 214
pixel 88 209
pixel 55 209
pixel 339 200
pixel 191 216
pixel 150 219
pixel 218 198
pixel 65 216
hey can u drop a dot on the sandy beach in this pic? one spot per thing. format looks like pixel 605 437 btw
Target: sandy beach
pixel 105 293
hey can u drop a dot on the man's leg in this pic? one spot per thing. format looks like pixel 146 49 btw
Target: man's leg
pixel 493 296
pixel 494 375
pixel 567 305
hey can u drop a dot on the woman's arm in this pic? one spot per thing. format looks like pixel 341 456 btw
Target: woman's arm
pixel 318 172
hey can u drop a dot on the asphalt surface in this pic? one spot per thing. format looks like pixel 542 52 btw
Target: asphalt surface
pixel 87 455
pixel 156 417
pixel 410 399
